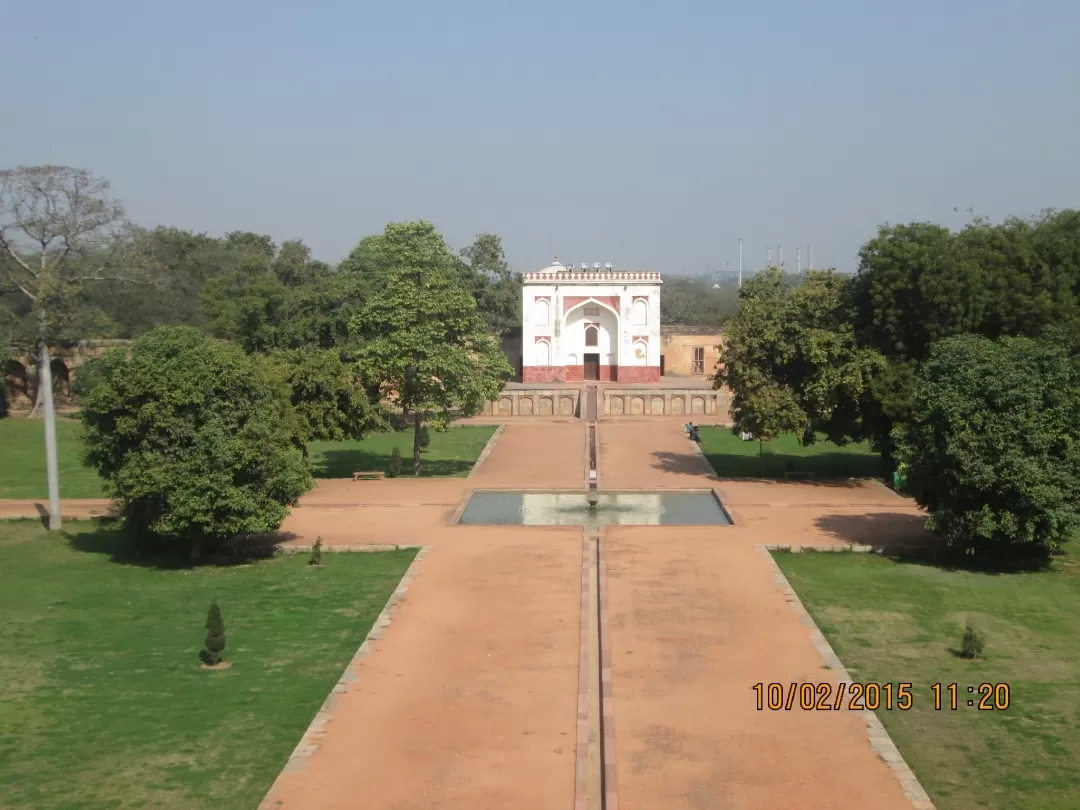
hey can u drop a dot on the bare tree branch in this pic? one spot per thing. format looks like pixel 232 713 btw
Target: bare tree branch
pixel 61 227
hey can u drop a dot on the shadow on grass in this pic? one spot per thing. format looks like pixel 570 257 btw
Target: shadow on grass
pixel 343 463
pixel 824 466
pixel 904 538
pixel 110 538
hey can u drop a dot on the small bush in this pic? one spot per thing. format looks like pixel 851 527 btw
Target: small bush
pixel 425 436
pixel 394 470
pixel 972 645
pixel 215 636
pixel 316 553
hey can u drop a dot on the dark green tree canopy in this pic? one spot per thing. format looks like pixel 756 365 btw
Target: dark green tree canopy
pixel 791 359
pixel 195 439
pixel 993 448
pixel 329 397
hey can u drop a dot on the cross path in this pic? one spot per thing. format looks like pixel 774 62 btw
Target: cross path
pixel 542 667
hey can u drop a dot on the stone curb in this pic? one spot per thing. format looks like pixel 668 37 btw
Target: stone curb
pixel 486 451
pixel 357 549
pixel 838 548
pixel 704 460
pixel 611 789
pixel 310 741
pixel 880 741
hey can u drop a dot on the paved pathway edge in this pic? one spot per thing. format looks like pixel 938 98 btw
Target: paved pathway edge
pixel 486 451
pixel 880 741
pixel 309 743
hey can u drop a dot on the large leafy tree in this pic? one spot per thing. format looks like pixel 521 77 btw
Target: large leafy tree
pixel 791 360
pixel 423 339
pixel 993 449
pixel 920 283
pixel 196 440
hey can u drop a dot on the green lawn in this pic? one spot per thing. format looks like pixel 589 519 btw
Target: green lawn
pixel 451 453
pixel 731 457
pixel 899 622
pixel 104 704
pixel 22 456
pixel 22 460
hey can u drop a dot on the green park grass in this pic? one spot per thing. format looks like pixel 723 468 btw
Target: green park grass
pixel 451 454
pixel 22 456
pixel 894 621
pixel 22 460
pixel 731 457
pixel 105 704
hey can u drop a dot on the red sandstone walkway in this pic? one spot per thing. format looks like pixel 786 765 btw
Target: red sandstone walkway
pixel 469 700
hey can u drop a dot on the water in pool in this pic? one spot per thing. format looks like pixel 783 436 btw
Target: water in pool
pixel 694 508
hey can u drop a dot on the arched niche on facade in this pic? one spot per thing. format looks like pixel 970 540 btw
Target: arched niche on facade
pixel 543 353
pixel 541 312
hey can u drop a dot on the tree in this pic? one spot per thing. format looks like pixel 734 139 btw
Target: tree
pixel 993 450
pixel 60 229
pixel 496 289
pixel 214 645
pixel 695 302
pixel 791 360
pixel 7 324
pixel 481 269
pixel 195 440
pixel 327 394
pixel 423 340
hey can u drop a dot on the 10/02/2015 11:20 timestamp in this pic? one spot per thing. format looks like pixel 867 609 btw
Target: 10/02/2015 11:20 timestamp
pixel 873 696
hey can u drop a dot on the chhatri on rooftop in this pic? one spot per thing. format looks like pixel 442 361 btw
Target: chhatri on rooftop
pixel 586 274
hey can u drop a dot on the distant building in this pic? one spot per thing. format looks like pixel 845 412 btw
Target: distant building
pixel 690 351
pixel 590 325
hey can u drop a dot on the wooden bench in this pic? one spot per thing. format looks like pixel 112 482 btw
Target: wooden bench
pixel 356 476
pixel 806 476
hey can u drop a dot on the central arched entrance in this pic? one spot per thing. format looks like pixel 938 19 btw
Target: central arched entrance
pixel 592 338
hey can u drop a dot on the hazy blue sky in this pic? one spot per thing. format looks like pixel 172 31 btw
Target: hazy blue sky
pixel 653 135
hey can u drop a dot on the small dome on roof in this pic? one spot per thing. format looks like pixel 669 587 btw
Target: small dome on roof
pixel 554 267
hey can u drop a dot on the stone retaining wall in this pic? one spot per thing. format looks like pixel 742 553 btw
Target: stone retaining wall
pixel 667 402
pixel 554 402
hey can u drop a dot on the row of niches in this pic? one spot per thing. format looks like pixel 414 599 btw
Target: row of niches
pixel 657 405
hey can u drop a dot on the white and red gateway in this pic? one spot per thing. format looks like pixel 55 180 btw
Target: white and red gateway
pixel 590 324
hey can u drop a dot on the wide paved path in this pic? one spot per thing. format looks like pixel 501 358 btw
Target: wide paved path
pixel 470 698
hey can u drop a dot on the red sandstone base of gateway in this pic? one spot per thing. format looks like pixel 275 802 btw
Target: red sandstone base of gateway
pixel 563 374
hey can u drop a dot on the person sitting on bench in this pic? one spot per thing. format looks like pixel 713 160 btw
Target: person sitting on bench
pixel 692 432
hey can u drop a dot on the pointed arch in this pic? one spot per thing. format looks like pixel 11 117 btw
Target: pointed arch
pixel 592 302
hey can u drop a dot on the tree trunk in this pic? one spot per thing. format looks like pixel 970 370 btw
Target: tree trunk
pixel 46 392
pixel 761 456
pixel 196 546
pixel 39 393
pixel 417 422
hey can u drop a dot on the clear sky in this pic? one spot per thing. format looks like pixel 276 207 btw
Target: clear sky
pixel 652 135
